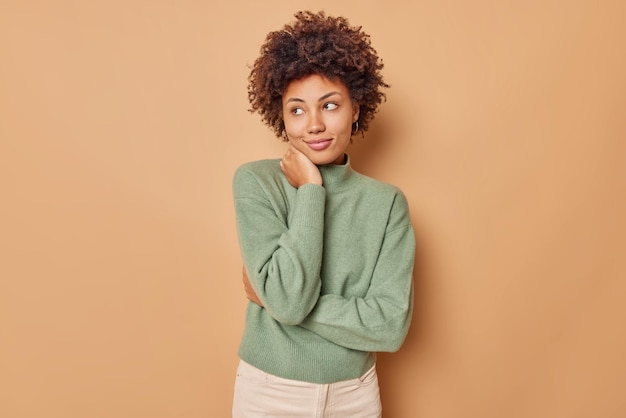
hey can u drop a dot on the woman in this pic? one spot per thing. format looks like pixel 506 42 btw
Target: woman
pixel 328 252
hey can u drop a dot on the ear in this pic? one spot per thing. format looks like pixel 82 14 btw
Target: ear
pixel 355 112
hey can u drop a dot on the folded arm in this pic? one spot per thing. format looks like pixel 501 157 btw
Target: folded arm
pixel 378 321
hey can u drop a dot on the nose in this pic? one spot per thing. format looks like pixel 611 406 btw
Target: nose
pixel 315 123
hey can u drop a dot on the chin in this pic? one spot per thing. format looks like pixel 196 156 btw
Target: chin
pixel 320 160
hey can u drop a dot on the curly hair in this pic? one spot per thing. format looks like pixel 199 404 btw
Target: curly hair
pixel 316 44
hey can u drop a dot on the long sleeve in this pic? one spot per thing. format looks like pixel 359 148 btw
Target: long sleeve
pixel 281 246
pixel 379 320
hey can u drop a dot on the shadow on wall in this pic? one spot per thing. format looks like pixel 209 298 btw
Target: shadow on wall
pixel 400 369
pixel 371 156
pixel 369 153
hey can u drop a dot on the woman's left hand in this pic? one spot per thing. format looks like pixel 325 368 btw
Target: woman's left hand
pixel 250 293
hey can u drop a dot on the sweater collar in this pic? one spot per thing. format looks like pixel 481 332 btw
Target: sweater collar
pixel 335 175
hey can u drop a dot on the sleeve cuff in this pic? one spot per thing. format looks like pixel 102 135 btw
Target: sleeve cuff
pixel 309 206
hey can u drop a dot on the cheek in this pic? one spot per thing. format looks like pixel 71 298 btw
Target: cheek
pixel 293 126
pixel 345 125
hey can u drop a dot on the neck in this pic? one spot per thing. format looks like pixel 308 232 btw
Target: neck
pixel 336 175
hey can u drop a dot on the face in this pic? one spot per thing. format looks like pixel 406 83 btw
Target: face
pixel 318 115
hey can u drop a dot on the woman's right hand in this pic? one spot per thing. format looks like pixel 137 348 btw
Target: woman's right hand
pixel 247 286
pixel 298 169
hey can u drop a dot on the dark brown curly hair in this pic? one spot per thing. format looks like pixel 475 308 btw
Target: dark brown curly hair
pixel 316 44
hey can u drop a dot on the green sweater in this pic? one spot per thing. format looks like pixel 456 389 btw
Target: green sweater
pixel 332 265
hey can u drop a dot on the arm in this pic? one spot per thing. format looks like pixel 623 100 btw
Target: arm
pixel 379 320
pixel 282 257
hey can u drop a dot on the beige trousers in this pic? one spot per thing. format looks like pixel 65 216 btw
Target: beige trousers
pixel 260 394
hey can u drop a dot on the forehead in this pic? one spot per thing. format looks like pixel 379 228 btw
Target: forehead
pixel 314 86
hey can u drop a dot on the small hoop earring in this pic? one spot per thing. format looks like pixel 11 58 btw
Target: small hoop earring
pixel 356 129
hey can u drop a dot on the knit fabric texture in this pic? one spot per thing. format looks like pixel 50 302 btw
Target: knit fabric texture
pixel 332 265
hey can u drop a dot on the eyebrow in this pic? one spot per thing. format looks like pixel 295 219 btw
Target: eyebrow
pixel 324 97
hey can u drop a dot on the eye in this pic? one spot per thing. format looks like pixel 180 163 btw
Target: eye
pixel 330 106
pixel 297 111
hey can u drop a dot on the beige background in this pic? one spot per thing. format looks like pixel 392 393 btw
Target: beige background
pixel 121 123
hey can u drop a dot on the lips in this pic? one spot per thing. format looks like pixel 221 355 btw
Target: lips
pixel 319 144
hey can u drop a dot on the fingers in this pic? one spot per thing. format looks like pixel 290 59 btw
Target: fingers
pixel 290 157
pixel 298 168
pixel 296 153
pixel 288 153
